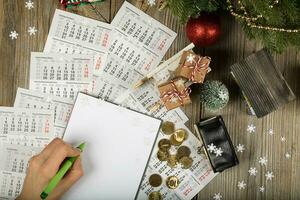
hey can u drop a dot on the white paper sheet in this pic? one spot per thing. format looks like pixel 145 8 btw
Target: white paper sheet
pixel 62 107
pixel 61 75
pixel 118 145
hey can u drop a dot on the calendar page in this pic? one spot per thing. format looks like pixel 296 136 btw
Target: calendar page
pixel 192 180
pixel 11 184
pixel 15 123
pixel 13 166
pixel 138 44
pixel 15 158
pixel 74 34
pixel 61 75
pixel 143 30
pixel 62 107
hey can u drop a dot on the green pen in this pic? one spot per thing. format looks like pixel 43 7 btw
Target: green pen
pixel 67 164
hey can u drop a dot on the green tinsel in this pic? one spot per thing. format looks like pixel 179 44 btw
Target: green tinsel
pixel 214 95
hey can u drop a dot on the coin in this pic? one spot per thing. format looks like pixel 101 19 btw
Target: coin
pixel 164 144
pixel 183 151
pixel 155 180
pixel 162 155
pixel 174 141
pixel 155 196
pixel 180 135
pixel 168 127
pixel 186 162
pixel 172 161
pixel 172 182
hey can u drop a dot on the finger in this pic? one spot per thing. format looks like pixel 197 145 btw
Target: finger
pixel 63 150
pixel 46 152
pixel 70 179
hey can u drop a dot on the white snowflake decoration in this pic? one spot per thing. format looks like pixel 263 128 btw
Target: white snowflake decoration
pixel 252 171
pixel 223 95
pixel 240 148
pixel 151 3
pixel 262 189
pixel 270 132
pixel 13 35
pixel 251 128
pixel 263 161
pixel 29 4
pixel 282 139
pixel 218 152
pixel 241 185
pixel 190 58
pixel 211 148
pixel 32 30
pixel 287 155
pixel 217 196
pixel 269 175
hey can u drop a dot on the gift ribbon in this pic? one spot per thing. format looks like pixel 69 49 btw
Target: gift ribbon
pixel 175 93
pixel 197 68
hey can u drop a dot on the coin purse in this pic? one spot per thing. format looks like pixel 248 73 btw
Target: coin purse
pixel 213 132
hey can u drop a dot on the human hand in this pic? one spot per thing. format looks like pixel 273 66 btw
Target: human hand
pixel 45 165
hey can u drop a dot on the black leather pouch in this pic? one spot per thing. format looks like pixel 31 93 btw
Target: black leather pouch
pixel 213 131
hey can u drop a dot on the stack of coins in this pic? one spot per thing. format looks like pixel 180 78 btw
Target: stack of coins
pixel 155 180
pixel 182 157
pixel 177 137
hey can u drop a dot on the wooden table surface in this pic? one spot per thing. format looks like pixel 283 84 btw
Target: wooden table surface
pixel 233 46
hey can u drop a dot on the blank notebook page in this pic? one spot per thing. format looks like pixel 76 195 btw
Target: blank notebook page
pixel 119 143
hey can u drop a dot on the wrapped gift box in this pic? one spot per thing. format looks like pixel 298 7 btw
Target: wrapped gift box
pixel 174 93
pixel 193 67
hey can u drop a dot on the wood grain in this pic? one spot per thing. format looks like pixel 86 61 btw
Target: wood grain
pixel 233 46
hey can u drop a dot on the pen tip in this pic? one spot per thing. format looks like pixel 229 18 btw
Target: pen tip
pixel 81 146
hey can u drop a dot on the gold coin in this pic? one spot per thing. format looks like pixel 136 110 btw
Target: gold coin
pixel 162 155
pixel 155 180
pixel 183 151
pixel 172 182
pixel 168 127
pixel 172 161
pixel 174 141
pixel 155 196
pixel 164 144
pixel 180 135
pixel 186 162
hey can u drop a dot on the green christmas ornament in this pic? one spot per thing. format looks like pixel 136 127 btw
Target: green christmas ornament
pixel 214 95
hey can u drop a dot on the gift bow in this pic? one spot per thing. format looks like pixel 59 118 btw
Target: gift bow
pixel 175 93
pixel 197 68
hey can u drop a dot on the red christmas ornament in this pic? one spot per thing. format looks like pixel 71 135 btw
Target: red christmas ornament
pixel 204 30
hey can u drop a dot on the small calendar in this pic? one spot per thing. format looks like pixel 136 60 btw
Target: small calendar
pixel 74 34
pixel 62 107
pixel 80 30
pixel 26 140
pixel 16 121
pixel 61 75
pixel 106 88
pixel 142 29
pixel 15 158
pixel 11 184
